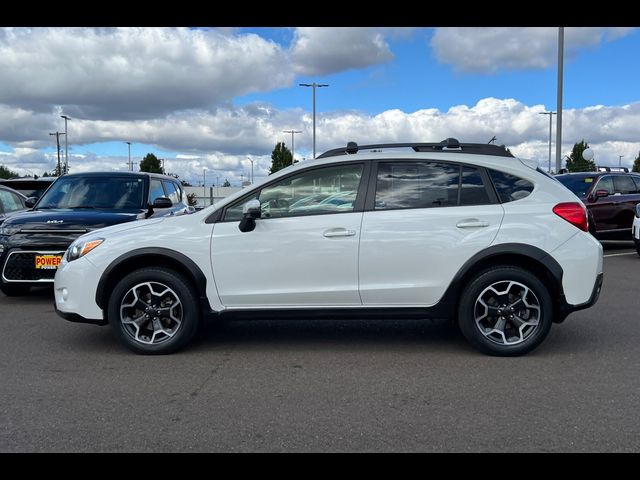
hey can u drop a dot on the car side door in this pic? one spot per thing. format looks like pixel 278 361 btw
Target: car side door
pixel 625 199
pixel 603 209
pixel 303 251
pixel 422 221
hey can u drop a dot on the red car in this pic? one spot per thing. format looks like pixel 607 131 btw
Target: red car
pixel 610 197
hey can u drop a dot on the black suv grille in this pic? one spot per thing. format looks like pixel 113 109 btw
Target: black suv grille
pixel 22 266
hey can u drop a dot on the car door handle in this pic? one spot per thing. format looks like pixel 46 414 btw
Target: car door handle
pixel 472 223
pixel 339 232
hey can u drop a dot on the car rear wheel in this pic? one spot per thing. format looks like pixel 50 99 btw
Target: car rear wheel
pixel 154 311
pixel 505 311
pixel 14 290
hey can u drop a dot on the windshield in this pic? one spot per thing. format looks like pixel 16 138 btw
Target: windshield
pixel 578 185
pixel 113 193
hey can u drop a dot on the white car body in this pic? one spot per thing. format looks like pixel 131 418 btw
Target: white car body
pixel 359 260
pixel 635 229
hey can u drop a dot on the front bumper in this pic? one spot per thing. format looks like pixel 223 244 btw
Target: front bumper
pixel 75 290
pixel 74 317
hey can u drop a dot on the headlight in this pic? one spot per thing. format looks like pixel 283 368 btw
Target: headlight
pixel 80 249
pixel 8 229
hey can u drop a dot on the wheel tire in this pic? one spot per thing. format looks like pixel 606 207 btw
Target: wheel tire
pixel 491 342
pixel 175 287
pixel 14 290
pixel 592 224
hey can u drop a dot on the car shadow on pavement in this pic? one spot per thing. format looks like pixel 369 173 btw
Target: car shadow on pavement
pixel 277 334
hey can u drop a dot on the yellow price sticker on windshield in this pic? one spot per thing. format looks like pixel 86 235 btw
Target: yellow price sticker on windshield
pixel 588 180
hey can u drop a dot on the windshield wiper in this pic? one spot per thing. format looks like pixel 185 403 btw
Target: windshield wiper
pixel 82 206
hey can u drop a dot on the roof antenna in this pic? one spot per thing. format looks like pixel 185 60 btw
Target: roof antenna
pixel 492 140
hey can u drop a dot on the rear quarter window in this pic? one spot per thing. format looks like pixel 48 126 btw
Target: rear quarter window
pixel 510 187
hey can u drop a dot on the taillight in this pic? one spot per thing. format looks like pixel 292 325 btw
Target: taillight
pixel 574 213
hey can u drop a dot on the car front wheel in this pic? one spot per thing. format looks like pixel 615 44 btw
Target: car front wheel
pixel 505 311
pixel 154 311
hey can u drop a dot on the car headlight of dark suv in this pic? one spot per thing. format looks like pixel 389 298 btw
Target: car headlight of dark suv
pixel 80 248
pixel 8 229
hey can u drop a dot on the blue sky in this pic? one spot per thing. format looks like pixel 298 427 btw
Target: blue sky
pixel 211 97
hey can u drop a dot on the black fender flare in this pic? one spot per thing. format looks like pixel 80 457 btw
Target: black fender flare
pixel 195 272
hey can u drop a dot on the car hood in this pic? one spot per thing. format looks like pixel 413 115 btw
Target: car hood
pixel 69 219
pixel 4 216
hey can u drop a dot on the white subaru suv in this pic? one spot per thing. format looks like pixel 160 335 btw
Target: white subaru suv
pixel 442 230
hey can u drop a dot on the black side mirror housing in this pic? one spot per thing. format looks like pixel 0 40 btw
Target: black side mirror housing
pixel 250 212
pixel 31 202
pixel 162 202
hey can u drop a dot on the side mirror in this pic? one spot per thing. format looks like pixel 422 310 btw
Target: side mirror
pixel 598 194
pixel 162 202
pixel 250 212
pixel 31 202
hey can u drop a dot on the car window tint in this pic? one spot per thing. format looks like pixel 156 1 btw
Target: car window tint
pixel 155 190
pixel 319 191
pixel 510 187
pixel 472 188
pixel 636 180
pixel 9 202
pixel 172 192
pixel 623 184
pixel 416 185
pixel 605 183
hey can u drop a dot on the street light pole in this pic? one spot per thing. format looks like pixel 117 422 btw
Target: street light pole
pixel 314 85
pixel 559 107
pixel 251 160
pixel 292 132
pixel 129 163
pixel 620 160
pixel 57 134
pixel 551 114
pixel 66 144
pixel 204 182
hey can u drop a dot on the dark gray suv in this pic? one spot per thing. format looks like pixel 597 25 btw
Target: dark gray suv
pixel 32 243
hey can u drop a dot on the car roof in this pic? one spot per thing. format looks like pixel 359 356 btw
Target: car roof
pixel 121 174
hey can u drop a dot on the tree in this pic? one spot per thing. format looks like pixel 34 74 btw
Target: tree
pixel 280 158
pixel 575 162
pixel 191 198
pixel 226 183
pixel 636 164
pixel 151 164
pixel 6 173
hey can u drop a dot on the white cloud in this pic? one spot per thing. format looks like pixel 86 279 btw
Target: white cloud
pixel 489 49
pixel 222 139
pixel 134 72
pixel 324 50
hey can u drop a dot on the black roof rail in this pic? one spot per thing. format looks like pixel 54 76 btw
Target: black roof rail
pixel 448 145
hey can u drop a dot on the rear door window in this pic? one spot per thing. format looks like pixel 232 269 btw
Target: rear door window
pixel 624 185
pixel 417 185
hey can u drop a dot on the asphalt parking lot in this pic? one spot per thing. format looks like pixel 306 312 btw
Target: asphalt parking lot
pixel 325 385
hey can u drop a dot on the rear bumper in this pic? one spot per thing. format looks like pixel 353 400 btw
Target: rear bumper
pixel 566 308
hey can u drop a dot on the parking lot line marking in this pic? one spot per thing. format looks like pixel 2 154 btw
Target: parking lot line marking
pixel 619 254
